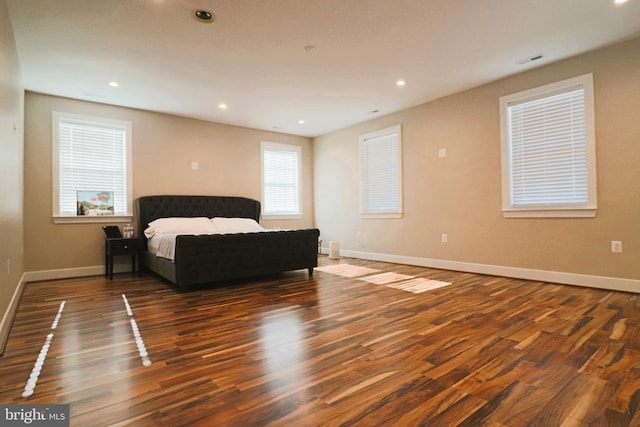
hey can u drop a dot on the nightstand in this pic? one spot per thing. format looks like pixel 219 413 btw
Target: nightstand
pixel 123 246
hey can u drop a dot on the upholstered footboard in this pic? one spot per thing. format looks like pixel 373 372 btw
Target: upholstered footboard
pixel 211 258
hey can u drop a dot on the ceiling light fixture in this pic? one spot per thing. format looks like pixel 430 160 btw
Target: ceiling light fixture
pixel 222 106
pixel 203 16
pixel 400 83
pixel 114 84
pixel 619 2
pixel 301 122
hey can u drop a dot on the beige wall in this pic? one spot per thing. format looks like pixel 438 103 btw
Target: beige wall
pixel 460 195
pixel 163 148
pixel 11 180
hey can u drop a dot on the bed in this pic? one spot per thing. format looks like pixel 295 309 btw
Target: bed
pixel 200 259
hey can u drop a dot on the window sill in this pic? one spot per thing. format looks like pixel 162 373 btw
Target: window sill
pixel 575 213
pixel 92 219
pixel 282 216
pixel 392 215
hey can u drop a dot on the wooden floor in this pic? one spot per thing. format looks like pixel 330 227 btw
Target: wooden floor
pixel 327 351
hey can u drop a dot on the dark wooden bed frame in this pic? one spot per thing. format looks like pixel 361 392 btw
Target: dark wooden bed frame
pixel 205 259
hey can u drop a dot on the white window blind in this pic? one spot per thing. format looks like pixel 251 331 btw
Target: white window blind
pixel 381 173
pixel 549 150
pixel 91 155
pixel 280 179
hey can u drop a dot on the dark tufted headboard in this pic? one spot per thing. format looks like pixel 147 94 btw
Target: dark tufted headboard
pixel 149 208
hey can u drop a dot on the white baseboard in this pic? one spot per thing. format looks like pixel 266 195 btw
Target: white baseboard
pixel 9 313
pixel 68 273
pixel 601 282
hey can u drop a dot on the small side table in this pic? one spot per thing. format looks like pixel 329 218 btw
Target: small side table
pixel 123 246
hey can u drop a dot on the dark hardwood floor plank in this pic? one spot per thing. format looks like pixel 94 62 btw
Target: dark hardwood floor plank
pixel 513 405
pixel 578 402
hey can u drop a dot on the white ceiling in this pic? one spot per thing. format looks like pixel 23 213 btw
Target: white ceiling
pixel 253 56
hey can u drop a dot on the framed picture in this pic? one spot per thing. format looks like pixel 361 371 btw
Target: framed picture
pixel 95 203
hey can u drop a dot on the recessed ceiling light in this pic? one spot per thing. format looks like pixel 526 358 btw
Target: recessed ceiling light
pixel 203 16
pixel 400 83
pixel 114 84
pixel 301 122
pixel 222 106
pixel 619 1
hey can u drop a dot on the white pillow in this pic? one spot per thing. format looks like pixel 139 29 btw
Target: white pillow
pixel 235 225
pixel 196 225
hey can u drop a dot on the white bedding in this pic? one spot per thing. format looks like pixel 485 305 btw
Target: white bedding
pixel 164 244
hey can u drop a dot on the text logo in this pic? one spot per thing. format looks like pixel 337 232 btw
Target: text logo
pixel 34 415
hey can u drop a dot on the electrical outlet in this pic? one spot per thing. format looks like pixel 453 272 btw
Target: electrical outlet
pixel 442 152
pixel 194 166
pixel 444 238
pixel 616 246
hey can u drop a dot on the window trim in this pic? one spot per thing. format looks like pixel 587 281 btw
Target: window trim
pixel 549 210
pixel 55 172
pixel 391 213
pixel 265 145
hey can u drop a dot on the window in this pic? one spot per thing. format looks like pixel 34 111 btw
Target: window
pixel 280 180
pixel 381 174
pixel 90 154
pixel 548 151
